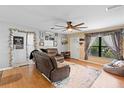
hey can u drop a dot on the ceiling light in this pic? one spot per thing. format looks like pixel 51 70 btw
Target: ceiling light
pixel 70 29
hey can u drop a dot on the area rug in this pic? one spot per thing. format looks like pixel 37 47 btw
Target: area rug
pixel 80 77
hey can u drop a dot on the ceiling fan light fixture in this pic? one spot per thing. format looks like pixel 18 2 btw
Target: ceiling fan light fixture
pixel 70 29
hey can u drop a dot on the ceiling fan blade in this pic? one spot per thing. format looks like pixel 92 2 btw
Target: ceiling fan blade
pixel 59 26
pixel 112 7
pixel 78 24
pixel 77 29
pixel 64 30
pixel 81 27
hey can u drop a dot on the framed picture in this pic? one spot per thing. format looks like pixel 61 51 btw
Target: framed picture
pixel 49 36
pixel 18 42
pixel 55 44
pixel 46 37
pixel 64 40
pixel 56 34
pixel 41 43
pixel 41 35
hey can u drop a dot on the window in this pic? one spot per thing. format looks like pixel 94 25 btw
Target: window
pixel 99 48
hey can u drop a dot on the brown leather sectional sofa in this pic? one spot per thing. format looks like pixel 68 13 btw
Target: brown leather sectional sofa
pixel 49 67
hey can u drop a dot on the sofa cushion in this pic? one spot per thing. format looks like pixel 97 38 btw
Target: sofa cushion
pixel 119 63
pixel 59 59
pixel 52 51
pixel 115 60
pixel 59 65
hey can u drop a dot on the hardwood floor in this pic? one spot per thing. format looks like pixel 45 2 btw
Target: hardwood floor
pixel 86 64
pixel 24 77
pixel 99 60
pixel 29 77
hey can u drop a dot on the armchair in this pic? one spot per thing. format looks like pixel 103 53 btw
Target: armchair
pixel 49 67
pixel 53 52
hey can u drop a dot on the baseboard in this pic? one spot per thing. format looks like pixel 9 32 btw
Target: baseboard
pixel 92 62
pixel 15 66
pixel 6 68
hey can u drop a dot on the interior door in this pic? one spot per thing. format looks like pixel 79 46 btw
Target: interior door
pixel 19 48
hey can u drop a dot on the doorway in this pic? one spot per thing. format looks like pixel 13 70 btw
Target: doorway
pixel 22 44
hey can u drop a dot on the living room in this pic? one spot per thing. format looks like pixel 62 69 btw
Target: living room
pixel 58 46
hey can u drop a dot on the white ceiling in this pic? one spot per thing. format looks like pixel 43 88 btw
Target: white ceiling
pixel 45 17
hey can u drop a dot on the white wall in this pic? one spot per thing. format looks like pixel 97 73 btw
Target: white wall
pixel 59 46
pixel 4 38
pixel 74 47
pixel 62 48
pixel 77 50
pixel 4 50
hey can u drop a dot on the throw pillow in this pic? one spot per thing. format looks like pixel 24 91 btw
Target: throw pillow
pixel 119 63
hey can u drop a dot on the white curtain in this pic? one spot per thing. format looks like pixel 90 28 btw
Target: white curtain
pixel 109 41
pixel 92 41
pixel 30 43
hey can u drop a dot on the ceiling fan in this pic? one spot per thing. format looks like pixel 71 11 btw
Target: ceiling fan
pixel 69 27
